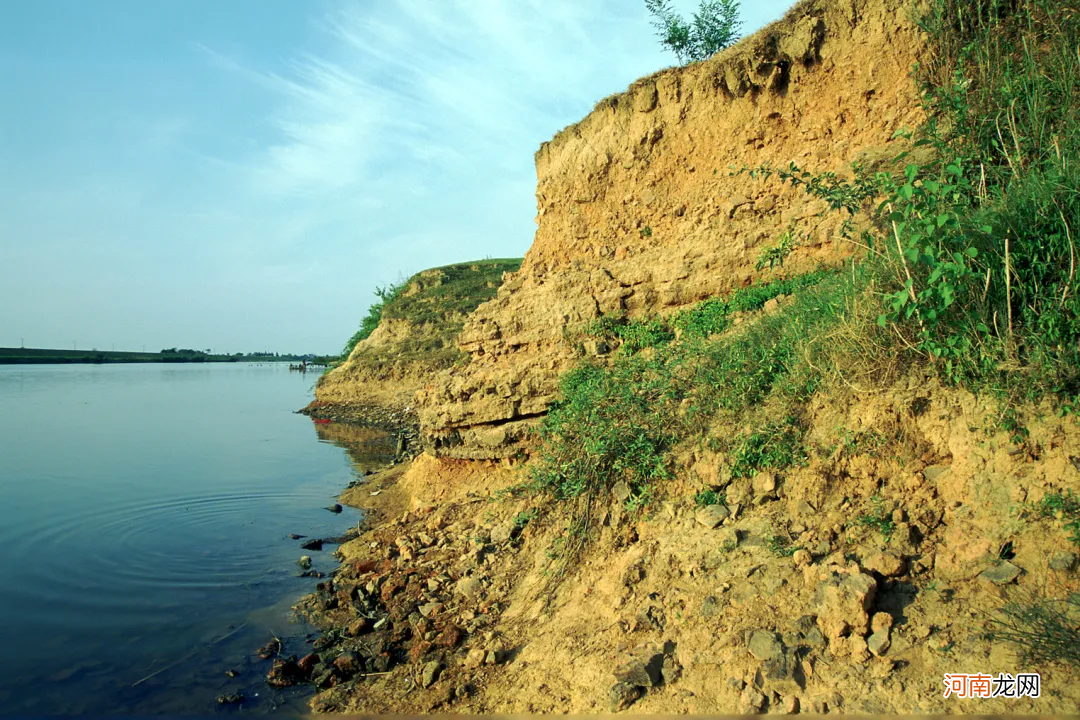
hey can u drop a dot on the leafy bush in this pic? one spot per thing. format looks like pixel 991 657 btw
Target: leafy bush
pixel 712 28
pixel 776 446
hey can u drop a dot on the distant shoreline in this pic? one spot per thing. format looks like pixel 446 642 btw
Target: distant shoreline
pixel 37 356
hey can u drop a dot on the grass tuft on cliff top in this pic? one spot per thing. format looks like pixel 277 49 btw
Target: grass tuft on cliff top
pixel 434 303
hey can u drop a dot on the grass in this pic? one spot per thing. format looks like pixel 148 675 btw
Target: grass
pixel 878 519
pixel 1043 629
pixel 707 497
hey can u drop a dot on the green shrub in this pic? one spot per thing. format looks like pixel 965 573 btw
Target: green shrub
pixel 712 28
pixel 776 446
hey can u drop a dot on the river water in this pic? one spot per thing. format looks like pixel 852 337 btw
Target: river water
pixel 144 520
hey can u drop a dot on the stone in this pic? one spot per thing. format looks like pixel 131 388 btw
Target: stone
pixel 347 664
pixel 885 564
pixel 307 663
pixel 791 704
pixel 1001 574
pixel 358 627
pixel 304 562
pixel 751 701
pixel 765 645
pixel 501 534
pixel 230 699
pixel 623 695
pixel 843 603
pixel 765 484
pixel 711 515
pixel 1064 561
pixel 642 668
pixel 469 586
pixel 314 544
pixel 431 609
pixel 335 508
pixel 475 658
pixel 859 648
pixel 879 642
pixel 710 606
pixel 671 670
pixel 881 620
pixel 802 558
pixel 283 674
pixel 430 673
pixel 935 472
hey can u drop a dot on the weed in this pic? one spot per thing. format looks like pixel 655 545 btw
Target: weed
pixel 645 232
pixel 1044 629
pixel 1065 507
pixel 523 518
pixel 776 254
pixel 781 546
pixel 708 497
pixel 878 519
pixel 778 445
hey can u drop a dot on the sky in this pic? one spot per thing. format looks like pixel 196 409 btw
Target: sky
pixel 241 175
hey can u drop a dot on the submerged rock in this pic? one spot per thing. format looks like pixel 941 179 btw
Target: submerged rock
pixel 314 544
pixel 335 508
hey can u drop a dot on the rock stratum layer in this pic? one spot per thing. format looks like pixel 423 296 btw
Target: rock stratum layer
pixel 639 210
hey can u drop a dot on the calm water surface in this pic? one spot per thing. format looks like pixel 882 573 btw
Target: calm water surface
pixel 144 515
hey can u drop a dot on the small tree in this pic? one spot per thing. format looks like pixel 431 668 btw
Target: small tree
pixel 713 27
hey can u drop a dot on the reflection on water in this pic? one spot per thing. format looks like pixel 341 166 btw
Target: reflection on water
pixel 144 519
pixel 368 448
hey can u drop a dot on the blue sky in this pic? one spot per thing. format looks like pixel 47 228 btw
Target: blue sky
pixel 240 174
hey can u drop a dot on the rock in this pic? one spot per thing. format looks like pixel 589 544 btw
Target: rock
pixel 304 562
pixel 431 673
pixel 294 536
pixel 1001 574
pixel 643 668
pixel 335 508
pixel 881 620
pixel 765 645
pixel 314 544
pixel 475 658
pixel 1064 561
pixel 325 679
pixel 501 534
pixel 431 609
pixel 307 663
pixel 623 695
pixel 358 627
pixel 469 586
pixel 764 485
pixel 347 664
pixel 934 472
pixel 270 649
pixel 283 674
pixel 843 603
pixel 879 642
pixel 802 558
pixel 230 699
pixel 710 606
pixel 751 701
pixel 728 538
pixel 859 649
pixel 791 704
pixel 711 515
pixel 671 670
pixel 621 492
pixel 885 564
pixel 232 673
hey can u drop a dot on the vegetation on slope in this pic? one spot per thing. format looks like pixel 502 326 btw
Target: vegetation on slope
pixel 970 270
pixel 433 304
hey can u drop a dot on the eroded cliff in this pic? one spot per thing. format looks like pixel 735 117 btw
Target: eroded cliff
pixel 639 209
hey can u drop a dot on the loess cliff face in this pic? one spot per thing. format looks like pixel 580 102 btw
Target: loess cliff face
pixel 416 337
pixel 639 211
